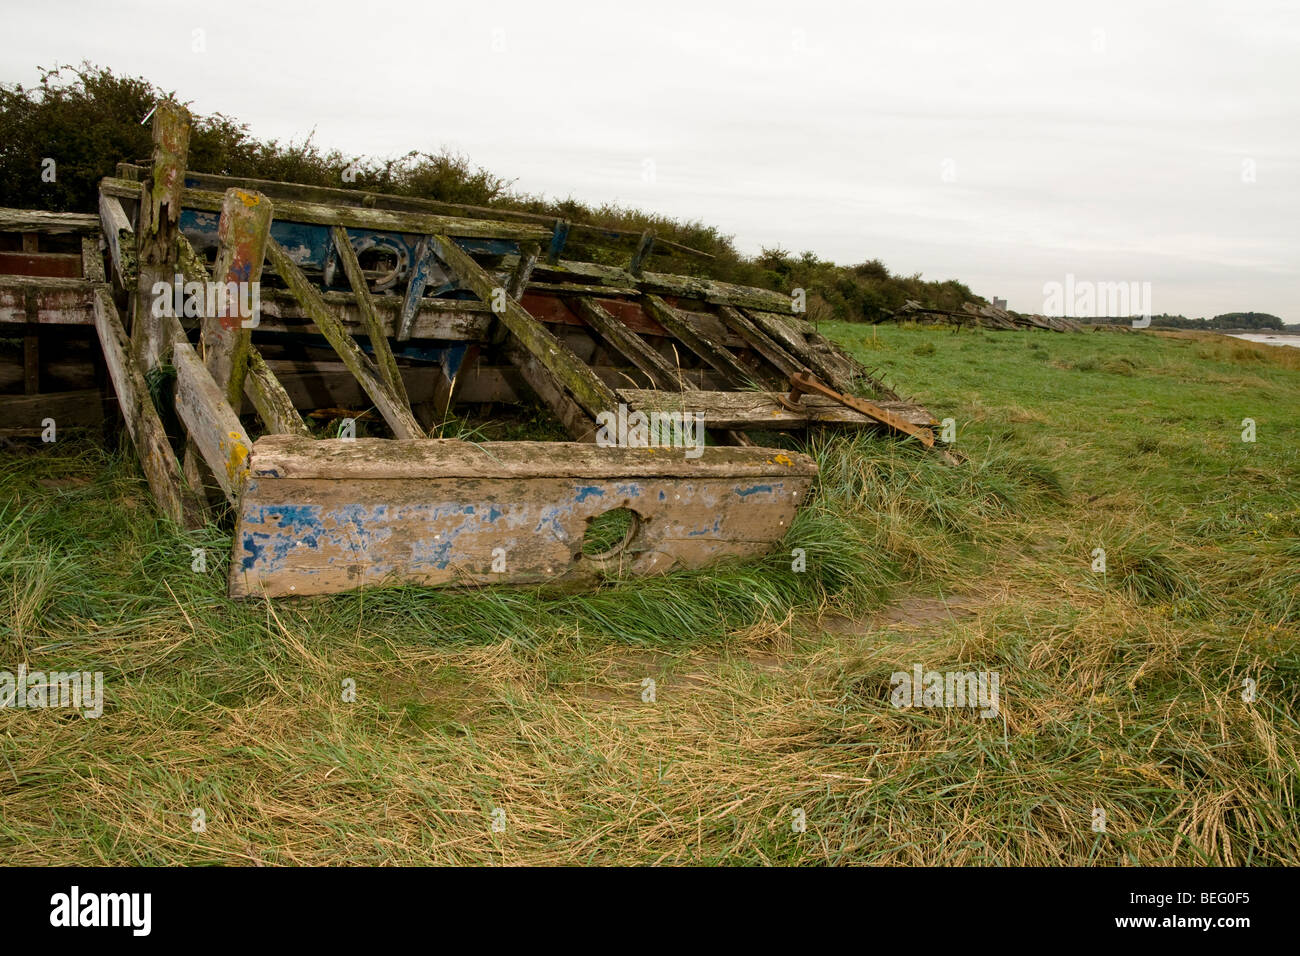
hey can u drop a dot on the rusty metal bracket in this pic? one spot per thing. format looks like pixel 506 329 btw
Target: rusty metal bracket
pixel 803 383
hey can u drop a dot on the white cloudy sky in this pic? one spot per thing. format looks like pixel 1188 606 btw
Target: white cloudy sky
pixel 1108 140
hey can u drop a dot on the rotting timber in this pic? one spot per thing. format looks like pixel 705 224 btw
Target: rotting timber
pixel 405 310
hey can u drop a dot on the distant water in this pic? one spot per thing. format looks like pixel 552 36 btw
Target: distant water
pixel 1269 338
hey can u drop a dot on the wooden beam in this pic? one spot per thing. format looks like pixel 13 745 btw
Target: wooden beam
pixel 569 372
pixel 804 383
pixel 270 400
pixel 175 500
pixel 528 255
pixel 76 409
pixel 159 224
pixel 332 195
pixel 517 283
pixel 396 413
pixel 353 217
pixel 273 404
pixel 634 348
pixel 764 410
pixel 782 331
pixel 50 223
pixel 698 342
pixel 227 335
pixel 416 283
pixel 642 253
pixel 559 236
pixel 374 328
pixel 760 341
pixel 210 421
pixel 120 237
pixel 580 425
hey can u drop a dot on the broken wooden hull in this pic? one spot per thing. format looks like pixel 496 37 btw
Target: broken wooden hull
pixel 397 310
pixel 322 516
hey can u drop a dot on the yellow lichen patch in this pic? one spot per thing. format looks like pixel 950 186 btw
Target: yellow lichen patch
pixel 783 460
pixel 236 458
pixel 248 199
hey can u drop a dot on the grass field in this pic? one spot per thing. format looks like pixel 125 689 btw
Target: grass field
pixel 1120 691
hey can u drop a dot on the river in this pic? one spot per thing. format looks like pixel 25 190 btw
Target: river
pixel 1269 338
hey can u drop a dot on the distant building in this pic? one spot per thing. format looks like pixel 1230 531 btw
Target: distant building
pixel 999 303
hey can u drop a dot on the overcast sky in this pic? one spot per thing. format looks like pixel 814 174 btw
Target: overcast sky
pixel 1003 144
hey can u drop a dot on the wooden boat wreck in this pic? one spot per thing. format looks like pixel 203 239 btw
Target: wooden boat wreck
pixel 248 303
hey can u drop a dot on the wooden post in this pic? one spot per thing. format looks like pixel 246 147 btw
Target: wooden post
pixel 227 335
pixel 642 253
pixel 273 404
pixel 160 213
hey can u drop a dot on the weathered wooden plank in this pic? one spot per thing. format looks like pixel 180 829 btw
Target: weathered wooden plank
pixel 311 385
pixel 51 223
pixel 645 245
pixel 690 287
pixel 370 321
pixel 377 200
pixel 456 320
pixel 302 537
pixel 578 423
pixel 283 456
pixel 805 384
pixel 523 271
pixel 699 343
pixel 396 413
pixel 763 410
pixel 629 344
pixel 559 236
pixel 781 329
pixel 92 260
pixel 324 516
pixel 571 373
pixel 175 500
pixel 758 340
pixel 55 265
pixel 120 238
pixel 76 409
pixel 354 217
pixel 25 299
pixel 227 334
pixel 272 401
pixel 210 422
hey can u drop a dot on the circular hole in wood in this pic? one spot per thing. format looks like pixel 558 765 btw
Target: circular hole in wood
pixel 609 534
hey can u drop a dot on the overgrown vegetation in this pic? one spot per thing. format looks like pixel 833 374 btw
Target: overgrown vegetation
pixel 87 119
pixel 1120 690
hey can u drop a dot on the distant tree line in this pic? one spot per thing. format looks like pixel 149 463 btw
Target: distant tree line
pixel 1228 320
pixel 86 119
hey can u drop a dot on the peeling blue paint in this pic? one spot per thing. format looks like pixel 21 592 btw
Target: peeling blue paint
pixel 586 491
pixel 753 490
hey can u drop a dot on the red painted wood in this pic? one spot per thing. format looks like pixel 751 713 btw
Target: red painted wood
pixel 47 265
